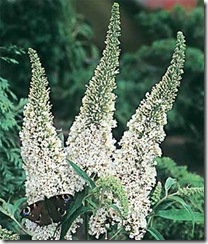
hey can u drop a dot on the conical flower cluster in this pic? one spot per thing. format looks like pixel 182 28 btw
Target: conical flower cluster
pixel 47 171
pixel 140 145
pixel 92 130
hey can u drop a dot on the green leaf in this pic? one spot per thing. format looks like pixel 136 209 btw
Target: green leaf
pixel 67 224
pixel 4 207
pixel 168 184
pixel 116 208
pixel 156 234
pixel 4 83
pixel 7 208
pixel 77 203
pixel 61 137
pixel 18 203
pixel 186 207
pixel 11 209
pixel 180 215
pixel 164 205
pixel 10 60
pixel 3 211
pixel 25 237
pixel 182 202
pixel 81 173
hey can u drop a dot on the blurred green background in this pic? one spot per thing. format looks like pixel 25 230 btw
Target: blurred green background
pixel 69 38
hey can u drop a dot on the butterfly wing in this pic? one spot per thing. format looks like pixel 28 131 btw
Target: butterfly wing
pixel 58 206
pixel 48 211
pixel 38 213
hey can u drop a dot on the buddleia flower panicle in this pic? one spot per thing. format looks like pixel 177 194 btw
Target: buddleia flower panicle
pixel 156 194
pixel 90 143
pixel 109 191
pixel 113 184
pixel 45 165
pixel 135 160
pixel 190 191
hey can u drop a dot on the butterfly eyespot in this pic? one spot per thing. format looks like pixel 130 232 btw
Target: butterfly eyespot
pixel 26 211
pixel 66 197
pixel 61 211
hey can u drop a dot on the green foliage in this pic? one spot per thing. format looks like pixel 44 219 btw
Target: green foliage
pixel 12 176
pixel 171 207
pixel 64 44
pixel 175 223
pixel 11 210
pixel 77 209
pixel 95 195
pixel 168 168
pixel 156 234
pixel 11 173
pixel 82 174
pixel 7 115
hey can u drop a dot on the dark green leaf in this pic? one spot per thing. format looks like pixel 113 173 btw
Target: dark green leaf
pixel 10 60
pixel 81 173
pixel 156 234
pixel 116 208
pixel 61 137
pixel 25 237
pixel 164 205
pixel 180 215
pixel 169 183
pixel 18 203
pixel 3 211
pixel 67 224
pixel 77 203
pixel 186 207
pixel 182 202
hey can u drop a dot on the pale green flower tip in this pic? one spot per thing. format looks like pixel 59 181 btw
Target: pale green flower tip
pixel 115 9
pixel 180 36
pixel 190 191
pixel 31 50
pixel 180 43
pixel 113 184
pixel 116 6
pixel 98 104
pixel 114 25
pixel 33 55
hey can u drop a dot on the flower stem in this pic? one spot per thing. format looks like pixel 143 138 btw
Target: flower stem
pixel 86 218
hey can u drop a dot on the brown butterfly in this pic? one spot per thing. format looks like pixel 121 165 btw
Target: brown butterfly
pixel 48 211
